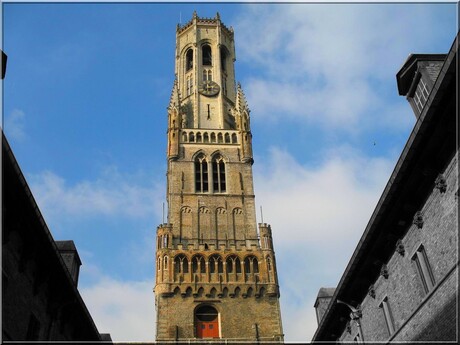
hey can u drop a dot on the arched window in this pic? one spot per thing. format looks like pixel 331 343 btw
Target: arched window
pixel 165 263
pixel 269 264
pixel 189 85
pixel 188 60
pixel 227 138
pixel 218 174
pixel 181 264
pixel 233 264
pixel 207 75
pixel 215 264
pixel 198 137
pixel 198 265
pixel 207 55
pixel 251 265
pixel 201 174
pixel 234 138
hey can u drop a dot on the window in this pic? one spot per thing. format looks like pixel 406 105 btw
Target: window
pixel 181 264
pixel 224 85
pixel 207 56
pixel 198 265
pixel 424 270
pixel 388 316
pixel 218 175
pixel 215 264
pixel 421 95
pixel 223 59
pixel 251 265
pixel 207 75
pixel 233 264
pixel 201 174
pixel 188 60
pixel 189 85
pixel 269 264
pixel 165 263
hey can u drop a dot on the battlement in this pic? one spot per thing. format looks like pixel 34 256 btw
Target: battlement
pixel 204 21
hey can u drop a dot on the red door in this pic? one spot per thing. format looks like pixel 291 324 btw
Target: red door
pixel 207 322
pixel 207 329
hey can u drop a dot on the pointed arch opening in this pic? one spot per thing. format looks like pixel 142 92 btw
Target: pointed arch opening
pixel 201 174
pixel 218 174
pixel 206 54
pixel 189 60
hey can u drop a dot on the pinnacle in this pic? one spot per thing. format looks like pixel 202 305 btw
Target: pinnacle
pixel 175 99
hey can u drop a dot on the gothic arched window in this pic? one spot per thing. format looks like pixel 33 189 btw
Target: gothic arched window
pixel 251 265
pixel 218 174
pixel 215 264
pixel 201 174
pixel 207 75
pixel 188 60
pixel 198 265
pixel 207 55
pixel 233 264
pixel 181 264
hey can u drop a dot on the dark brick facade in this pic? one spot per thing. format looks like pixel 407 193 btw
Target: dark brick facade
pixel 403 275
pixel 40 299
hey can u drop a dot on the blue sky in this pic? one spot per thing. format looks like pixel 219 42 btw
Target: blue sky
pixel 84 109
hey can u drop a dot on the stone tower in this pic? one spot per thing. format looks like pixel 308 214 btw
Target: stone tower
pixel 216 274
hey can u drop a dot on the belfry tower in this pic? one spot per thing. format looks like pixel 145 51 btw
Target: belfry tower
pixel 216 274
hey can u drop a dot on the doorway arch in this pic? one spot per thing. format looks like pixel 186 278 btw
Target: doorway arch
pixel 207 322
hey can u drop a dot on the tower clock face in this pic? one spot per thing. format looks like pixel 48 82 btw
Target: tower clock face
pixel 209 88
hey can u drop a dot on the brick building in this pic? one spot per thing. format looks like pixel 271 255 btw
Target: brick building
pixel 401 283
pixel 215 278
pixel 40 299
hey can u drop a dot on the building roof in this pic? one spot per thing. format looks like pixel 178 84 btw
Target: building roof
pixel 430 146
pixel 325 292
pixel 406 74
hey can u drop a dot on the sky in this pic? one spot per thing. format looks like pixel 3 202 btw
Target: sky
pixel 84 110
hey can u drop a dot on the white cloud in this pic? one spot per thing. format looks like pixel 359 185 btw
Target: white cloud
pixel 125 309
pixel 328 64
pixel 14 125
pixel 111 194
pixel 317 216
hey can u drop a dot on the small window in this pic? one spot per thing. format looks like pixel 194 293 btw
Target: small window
pixel 207 55
pixel 223 59
pixel 388 316
pixel 189 85
pixel 188 60
pixel 421 95
pixel 207 75
pixel 224 85
pixel 424 270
